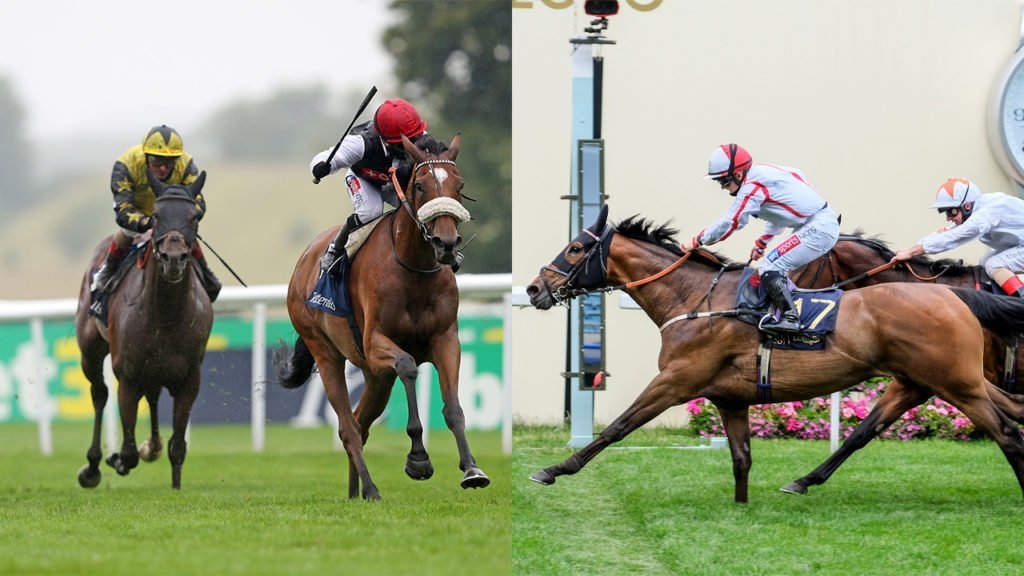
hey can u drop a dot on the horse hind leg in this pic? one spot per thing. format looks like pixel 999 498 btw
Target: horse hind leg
pixel 89 476
pixel 988 418
pixel 149 451
pixel 332 373
pixel 897 399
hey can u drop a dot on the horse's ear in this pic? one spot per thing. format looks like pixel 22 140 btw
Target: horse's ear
pixel 453 149
pixel 602 219
pixel 155 183
pixel 414 153
pixel 196 187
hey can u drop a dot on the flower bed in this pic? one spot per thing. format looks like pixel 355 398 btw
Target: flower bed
pixel 811 419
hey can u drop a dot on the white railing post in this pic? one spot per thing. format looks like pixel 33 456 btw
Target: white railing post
pixel 42 393
pixel 506 377
pixel 259 376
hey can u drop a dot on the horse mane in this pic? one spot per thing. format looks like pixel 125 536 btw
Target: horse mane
pixel 956 267
pixel 664 236
pixel 430 145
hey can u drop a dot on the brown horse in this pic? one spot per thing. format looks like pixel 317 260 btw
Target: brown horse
pixel 899 330
pixel 158 323
pixel 406 302
pixel 851 257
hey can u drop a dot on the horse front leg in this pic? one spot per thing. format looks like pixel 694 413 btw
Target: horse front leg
pixel 385 357
pixel 150 450
pixel 128 401
pixel 447 356
pixel 92 366
pixel 662 393
pixel 897 399
pixel 737 429
pixel 177 446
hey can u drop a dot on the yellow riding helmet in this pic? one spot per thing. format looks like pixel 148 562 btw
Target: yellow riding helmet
pixel 163 141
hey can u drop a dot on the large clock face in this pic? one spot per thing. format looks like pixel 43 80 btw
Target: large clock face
pixel 1007 128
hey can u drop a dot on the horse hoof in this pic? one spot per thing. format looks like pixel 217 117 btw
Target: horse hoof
pixel 794 488
pixel 419 470
pixel 475 478
pixel 147 453
pixel 115 462
pixel 89 477
pixel 371 495
pixel 543 477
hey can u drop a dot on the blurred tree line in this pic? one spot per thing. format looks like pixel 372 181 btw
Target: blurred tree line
pixel 16 186
pixel 454 63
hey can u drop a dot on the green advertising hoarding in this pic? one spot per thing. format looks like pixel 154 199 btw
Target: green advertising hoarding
pixel 226 368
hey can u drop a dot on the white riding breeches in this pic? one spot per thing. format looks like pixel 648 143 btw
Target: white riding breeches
pixel 365 196
pixel 811 240
pixel 1010 258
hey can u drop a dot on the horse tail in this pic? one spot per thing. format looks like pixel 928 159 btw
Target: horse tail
pixel 294 370
pixel 1002 315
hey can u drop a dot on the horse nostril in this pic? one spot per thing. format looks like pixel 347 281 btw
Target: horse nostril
pixel 436 242
pixel 532 290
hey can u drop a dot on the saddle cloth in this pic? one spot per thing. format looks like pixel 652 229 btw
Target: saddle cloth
pixel 817 308
pixel 331 293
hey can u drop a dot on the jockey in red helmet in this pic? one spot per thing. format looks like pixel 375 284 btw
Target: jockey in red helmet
pixel 782 197
pixel 995 219
pixel 162 152
pixel 367 153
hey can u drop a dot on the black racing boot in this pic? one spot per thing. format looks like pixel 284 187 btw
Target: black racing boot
pixel 210 282
pixel 336 247
pixel 101 279
pixel 778 290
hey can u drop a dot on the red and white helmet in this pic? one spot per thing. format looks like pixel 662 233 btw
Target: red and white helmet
pixel 728 160
pixel 955 192
pixel 395 118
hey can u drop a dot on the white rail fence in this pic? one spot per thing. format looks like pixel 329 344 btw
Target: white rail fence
pixel 236 299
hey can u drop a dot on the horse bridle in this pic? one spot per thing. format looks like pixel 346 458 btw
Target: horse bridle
pixel 430 211
pixel 597 274
pixel 155 241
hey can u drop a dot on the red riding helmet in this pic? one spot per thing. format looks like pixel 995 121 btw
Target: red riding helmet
pixel 395 118
pixel 729 160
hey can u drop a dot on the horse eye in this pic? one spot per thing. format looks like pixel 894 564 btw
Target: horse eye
pixel 575 249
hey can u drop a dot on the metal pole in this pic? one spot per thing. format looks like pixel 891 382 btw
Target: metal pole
pixel 424 379
pixel 259 376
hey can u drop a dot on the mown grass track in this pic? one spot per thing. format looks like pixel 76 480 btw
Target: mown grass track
pixel 900 508
pixel 284 511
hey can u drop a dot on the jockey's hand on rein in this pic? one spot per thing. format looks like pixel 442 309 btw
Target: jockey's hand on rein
pixel 756 253
pixel 321 170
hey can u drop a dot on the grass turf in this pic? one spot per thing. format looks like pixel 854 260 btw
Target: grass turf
pixel 925 507
pixel 283 511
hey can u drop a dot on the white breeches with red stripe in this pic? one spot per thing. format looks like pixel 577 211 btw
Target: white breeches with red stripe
pixel 811 240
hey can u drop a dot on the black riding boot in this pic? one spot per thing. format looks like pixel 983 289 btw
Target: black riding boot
pixel 210 282
pixel 99 283
pixel 338 245
pixel 778 290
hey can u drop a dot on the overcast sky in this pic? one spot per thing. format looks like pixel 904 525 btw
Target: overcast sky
pixel 114 66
